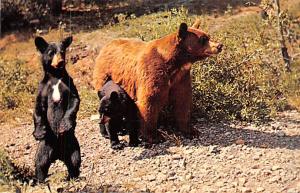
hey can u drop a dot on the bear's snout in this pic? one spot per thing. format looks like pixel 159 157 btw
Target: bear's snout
pixel 57 61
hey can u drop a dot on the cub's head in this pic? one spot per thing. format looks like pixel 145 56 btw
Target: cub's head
pixel 53 54
pixel 195 43
pixel 110 108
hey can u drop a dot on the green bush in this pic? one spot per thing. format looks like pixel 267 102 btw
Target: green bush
pixel 16 87
pixel 244 82
pixel 20 13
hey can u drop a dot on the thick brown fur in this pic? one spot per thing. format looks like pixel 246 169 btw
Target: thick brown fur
pixel 156 73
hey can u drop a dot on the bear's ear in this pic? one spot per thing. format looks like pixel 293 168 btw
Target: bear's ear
pixel 196 24
pixel 114 97
pixel 182 31
pixel 67 42
pixel 41 44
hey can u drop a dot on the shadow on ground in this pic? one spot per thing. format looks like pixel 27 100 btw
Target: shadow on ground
pixel 223 135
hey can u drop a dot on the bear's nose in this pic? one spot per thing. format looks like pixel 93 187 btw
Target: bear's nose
pixel 219 47
pixel 60 64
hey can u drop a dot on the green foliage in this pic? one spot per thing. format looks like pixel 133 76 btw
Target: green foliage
pixel 244 81
pixel 16 87
pixel 18 13
pixel 153 26
pixel 6 168
pixel 89 102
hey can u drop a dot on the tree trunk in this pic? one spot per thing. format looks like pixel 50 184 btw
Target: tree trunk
pixel 55 6
pixel 284 50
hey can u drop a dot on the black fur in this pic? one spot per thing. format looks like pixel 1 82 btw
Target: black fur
pixel 55 121
pixel 117 112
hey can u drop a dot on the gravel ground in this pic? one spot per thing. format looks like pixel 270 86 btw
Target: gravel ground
pixel 224 158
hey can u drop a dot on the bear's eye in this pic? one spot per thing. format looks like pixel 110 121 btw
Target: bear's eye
pixel 203 40
pixel 51 52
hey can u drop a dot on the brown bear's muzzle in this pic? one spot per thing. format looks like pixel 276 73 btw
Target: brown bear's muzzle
pixel 213 48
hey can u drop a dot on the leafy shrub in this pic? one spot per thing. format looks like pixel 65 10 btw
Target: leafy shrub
pixel 19 13
pixel 16 87
pixel 244 82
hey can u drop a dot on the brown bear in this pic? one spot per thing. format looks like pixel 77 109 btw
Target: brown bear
pixel 156 73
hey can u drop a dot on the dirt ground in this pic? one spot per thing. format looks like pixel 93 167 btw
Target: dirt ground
pixel 225 158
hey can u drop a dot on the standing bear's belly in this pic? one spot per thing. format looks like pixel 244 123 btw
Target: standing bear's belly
pixel 57 106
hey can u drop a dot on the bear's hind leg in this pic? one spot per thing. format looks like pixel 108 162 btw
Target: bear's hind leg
pixel 133 130
pixel 72 157
pixel 103 131
pixel 44 157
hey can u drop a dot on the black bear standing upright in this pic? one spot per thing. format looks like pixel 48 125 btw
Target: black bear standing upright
pixel 55 112
pixel 118 112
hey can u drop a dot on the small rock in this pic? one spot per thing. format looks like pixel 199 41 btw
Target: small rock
pixel 138 179
pixel 27 146
pixel 267 172
pixel 186 188
pixel 260 189
pixel 280 133
pixel 227 133
pixel 172 178
pixel 189 151
pixel 234 184
pixel 95 117
pixel 292 190
pixel 220 184
pixel 230 157
pixel 255 167
pixel 264 145
pixel 189 176
pixel 245 190
pixel 214 149
pixel 183 163
pixel 242 181
pixel 275 167
pixel 274 179
pixel 176 157
pixel 209 189
pixel 161 177
pixel 172 174
pixel 256 157
pixel 240 142
pixel 151 178
pixel 275 126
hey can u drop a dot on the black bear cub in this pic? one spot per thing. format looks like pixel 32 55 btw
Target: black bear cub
pixel 56 107
pixel 118 112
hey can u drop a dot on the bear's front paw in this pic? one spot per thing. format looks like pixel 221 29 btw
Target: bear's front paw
pixel 64 127
pixel 117 146
pixel 134 143
pixel 39 134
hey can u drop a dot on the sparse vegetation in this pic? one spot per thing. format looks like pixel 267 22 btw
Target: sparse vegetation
pixel 17 89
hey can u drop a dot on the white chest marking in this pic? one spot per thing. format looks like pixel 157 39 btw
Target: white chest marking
pixel 56 94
